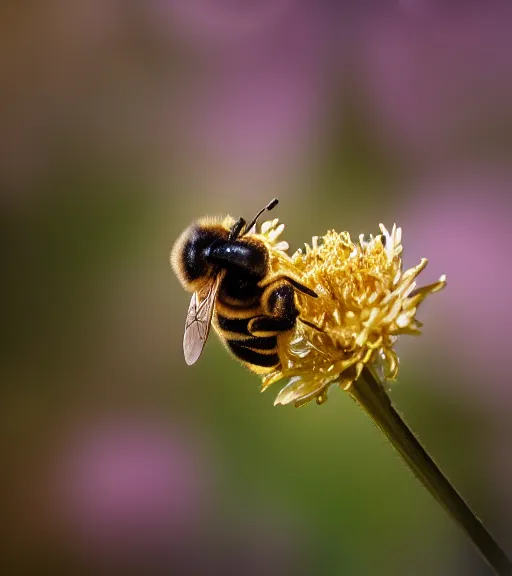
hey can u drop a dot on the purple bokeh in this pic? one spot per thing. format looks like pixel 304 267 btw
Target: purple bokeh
pixel 135 494
pixel 462 225
pixel 258 100
pixel 437 74
pixel 130 488
pixel 220 23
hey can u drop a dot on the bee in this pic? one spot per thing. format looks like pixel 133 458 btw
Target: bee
pixel 227 270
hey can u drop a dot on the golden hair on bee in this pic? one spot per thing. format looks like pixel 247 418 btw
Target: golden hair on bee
pixel 227 265
pixel 200 233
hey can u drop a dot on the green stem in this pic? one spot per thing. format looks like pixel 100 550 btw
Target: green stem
pixel 369 393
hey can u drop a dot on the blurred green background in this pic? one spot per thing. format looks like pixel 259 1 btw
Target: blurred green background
pixel 122 122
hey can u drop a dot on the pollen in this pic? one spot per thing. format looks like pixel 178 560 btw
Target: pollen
pixel 365 302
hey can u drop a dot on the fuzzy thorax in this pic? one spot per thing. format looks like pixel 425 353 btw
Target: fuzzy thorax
pixel 364 303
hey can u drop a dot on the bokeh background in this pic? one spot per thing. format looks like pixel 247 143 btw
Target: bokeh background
pixel 123 121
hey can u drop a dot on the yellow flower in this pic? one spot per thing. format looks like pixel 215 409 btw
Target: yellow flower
pixel 364 303
pixel 346 335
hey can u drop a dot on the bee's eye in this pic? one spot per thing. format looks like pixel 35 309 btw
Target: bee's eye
pixel 195 252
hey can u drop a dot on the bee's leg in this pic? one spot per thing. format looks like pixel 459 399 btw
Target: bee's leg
pixel 278 301
pixel 293 281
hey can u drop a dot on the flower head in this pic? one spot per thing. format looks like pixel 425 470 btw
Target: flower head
pixel 364 303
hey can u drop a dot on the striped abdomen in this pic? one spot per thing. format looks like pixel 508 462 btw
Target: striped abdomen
pixel 258 351
pixel 239 302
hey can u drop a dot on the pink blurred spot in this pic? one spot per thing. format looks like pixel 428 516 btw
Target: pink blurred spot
pixel 254 120
pixel 437 72
pixel 211 22
pixel 259 105
pixel 462 226
pixel 130 486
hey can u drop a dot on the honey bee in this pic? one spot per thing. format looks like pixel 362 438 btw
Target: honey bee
pixel 227 270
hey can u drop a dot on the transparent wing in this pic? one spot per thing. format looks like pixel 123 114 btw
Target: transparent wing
pixel 199 318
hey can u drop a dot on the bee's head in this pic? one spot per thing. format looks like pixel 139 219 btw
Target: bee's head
pixel 190 255
pixel 205 247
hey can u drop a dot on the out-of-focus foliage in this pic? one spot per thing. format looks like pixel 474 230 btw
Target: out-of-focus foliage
pixel 123 121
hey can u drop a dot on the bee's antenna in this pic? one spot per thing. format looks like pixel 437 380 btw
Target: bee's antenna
pixel 238 226
pixel 272 204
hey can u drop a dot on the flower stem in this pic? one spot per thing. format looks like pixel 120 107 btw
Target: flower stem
pixel 369 393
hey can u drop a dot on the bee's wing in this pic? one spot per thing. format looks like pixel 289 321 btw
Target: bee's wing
pixel 199 318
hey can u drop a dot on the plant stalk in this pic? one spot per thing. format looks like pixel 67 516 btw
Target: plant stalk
pixel 369 393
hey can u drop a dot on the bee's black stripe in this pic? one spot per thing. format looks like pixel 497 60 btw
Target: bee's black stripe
pixel 270 325
pixel 241 303
pixel 252 356
pixel 236 325
pixel 256 343
pixel 239 289
pixel 232 312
